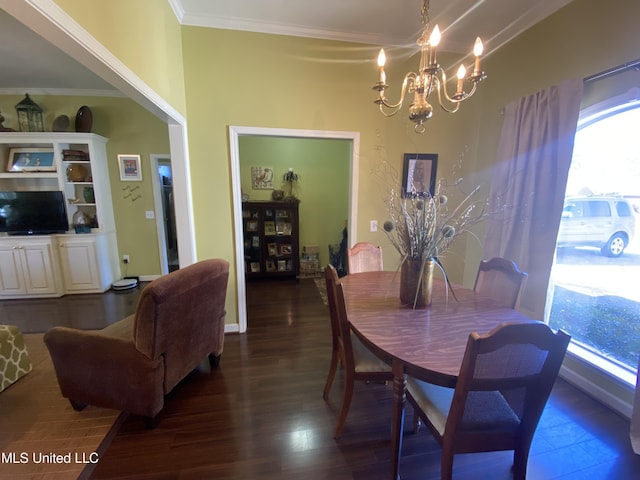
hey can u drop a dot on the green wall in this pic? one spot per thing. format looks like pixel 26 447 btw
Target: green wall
pixel 130 129
pixel 323 186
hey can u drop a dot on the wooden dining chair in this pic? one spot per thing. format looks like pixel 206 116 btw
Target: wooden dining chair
pixel 364 257
pixel 502 388
pixel 358 363
pixel 500 279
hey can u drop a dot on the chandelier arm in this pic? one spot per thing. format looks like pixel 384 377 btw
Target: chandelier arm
pixel 446 94
pixel 388 113
pixel 456 105
pixel 407 85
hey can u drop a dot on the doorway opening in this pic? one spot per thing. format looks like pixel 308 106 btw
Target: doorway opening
pixel 165 212
pixel 234 134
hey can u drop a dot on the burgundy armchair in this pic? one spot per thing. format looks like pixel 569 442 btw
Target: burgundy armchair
pixel 132 364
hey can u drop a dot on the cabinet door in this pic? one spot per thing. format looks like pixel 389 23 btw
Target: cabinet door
pixel 80 265
pixel 38 267
pixel 11 278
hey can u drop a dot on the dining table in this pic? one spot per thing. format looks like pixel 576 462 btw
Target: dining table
pixel 427 343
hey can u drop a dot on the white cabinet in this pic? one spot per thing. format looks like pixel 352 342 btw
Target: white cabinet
pixel 88 265
pixel 73 262
pixel 79 169
pixel 28 267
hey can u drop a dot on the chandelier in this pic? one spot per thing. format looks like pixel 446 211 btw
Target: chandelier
pixel 430 77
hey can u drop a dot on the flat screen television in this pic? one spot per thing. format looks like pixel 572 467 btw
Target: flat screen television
pixel 33 213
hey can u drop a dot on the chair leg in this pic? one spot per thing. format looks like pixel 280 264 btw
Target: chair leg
pixel 152 422
pixel 520 459
pixel 77 406
pixel 332 373
pixel 446 463
pixel 214 360
pixel 346 403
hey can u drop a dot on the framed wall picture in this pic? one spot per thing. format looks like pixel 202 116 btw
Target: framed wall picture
pixel 262 178
pixel 269 228
pixel 419 174
pixel 31 160
pixel 285 249
pixel 130 168
pixel 252 226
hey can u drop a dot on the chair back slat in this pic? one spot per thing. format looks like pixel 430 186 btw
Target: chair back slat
pixel 364 257
pixel 500 279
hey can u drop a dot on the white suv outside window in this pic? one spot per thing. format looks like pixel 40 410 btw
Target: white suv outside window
pixel 606 222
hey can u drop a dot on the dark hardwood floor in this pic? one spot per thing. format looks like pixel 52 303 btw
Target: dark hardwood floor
pixel 260 415
pixel 91 311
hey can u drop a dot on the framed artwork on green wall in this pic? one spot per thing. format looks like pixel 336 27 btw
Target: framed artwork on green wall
pixel 262 178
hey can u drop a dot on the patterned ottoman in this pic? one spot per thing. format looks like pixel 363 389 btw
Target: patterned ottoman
pixel 14 359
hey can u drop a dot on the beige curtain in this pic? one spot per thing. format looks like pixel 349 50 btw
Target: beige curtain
pixel 534 156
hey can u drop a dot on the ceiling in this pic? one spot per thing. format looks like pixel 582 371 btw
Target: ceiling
pixel 30 63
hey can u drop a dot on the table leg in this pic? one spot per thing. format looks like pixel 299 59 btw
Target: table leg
pixel 397 416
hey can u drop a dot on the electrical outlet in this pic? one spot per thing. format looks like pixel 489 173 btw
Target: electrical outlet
pixel 373 226
pixel 149 214
pixel 125 258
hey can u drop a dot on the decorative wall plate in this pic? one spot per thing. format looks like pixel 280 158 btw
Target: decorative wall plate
pixel 84 119
pixel 61 124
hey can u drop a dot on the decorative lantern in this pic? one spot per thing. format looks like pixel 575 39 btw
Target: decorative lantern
pixel 29 116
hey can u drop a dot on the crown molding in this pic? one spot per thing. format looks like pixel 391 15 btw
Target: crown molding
pixel 62 92
pixel 274 28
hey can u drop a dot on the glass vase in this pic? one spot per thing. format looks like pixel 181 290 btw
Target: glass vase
pixel 416 284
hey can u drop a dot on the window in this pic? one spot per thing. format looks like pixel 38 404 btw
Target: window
pixel 595 294
pixel 598 209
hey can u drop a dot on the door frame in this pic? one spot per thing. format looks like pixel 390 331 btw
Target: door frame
pixel 235 132
pixel 156 158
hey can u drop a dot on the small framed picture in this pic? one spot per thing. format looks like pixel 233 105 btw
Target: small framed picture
pixel 285 249
pixel 282 265
pixel 269 228
pixel 255 267
pixel 130 168
pixel 255 241
pixel 286 229
pixel 252 226
pixel 271 266
pixel 272 249
pixel 262 178
pixel 31 160
pixel 419 174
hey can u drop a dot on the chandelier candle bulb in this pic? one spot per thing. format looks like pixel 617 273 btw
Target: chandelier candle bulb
pixel 381 61
pixel 477 51
pixel 434 40
pixel 461 73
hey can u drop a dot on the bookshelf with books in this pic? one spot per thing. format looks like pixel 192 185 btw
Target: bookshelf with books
pixel 270 239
